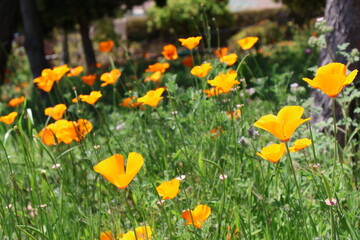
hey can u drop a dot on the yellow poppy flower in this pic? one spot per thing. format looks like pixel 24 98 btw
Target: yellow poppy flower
pixel 284 124
pixel 224 81
pixel 197 216
pixel 142 233
pixel 16 101
pixel 229 59
pixel 9 119
pixel 110 77
pixel 55 112
pixel 168 189
pixel 190 42
pixel 169 52
pixel 113 170
pixel 248 42
pixel 75 71
pixel 155 77
pixel 273 152
pixel 59 71
pixel 92 98
pixel 106 46
pixel 300 144
pixel 331 79
pixel 202 70
pixel 152 97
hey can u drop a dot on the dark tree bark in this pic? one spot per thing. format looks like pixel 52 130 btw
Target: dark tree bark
pixel 9 11
pixel 33 37
pixel 86 41
pixel 65 59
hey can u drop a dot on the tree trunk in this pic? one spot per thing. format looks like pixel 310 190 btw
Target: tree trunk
pixel 9 11
pixel 86 41
pixel 34 45
pixel 64 48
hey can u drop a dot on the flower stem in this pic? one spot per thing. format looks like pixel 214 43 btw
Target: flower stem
pixel 335 140
pixel 298 190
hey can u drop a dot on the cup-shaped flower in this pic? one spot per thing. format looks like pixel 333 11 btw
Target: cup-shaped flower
pixel 197 216
pixel 169 52
pixel 59 71
pixel 45 82
pixel 202 70
pixel 168 189
pixel 154 77
pixel 16 101
pixel 9 119
pixel 300 144
pixel 113 168
pixel 229 59
pixel 331 79
pixel 284 124
pixel 110 77
pixel 152 97
pixel 248 42
pixel 75 71
pixel 224 82
pixel 92 98
pixel 221 52
pixel 106 46
pixel 158 67
pixel 55 112
pixel 273 152
pixel 191 42
pixel 89 79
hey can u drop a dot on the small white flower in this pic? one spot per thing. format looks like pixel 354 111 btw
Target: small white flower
pixel 43 171
pixel 96 147
pixel 9 206
pixel 294 85
pixel 160 202
pixel 223 176
pixel 56 166
pixel 174 112
pixel 42 205
pixel 180 178
pixel 330 202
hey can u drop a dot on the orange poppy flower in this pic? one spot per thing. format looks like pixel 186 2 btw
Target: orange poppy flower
pixel 300 144
pixel 198 216
pixel 152 97
pixel 92 98
pixel 155 77
pixel 284 124
pixel 224 81
pixel 158 67
pixel 75 71
pixel 188 61
pixel 9 119
pixel 191 42
pixel 89 79
pixel 106 46
pixel 234 114
pixel 113 170
pixel 59 71
pixel 130 102
pixel 16 101
pixel 215 132
pixel 273 152
pixel 169 189
pixel 55 112
pixel 248 42
pixel 45 82
pixel 110 77
pixel 106 236
pixel 169 52
pixel 221 52
pixel 331 79
pixel 229 59
pixel 65 131
pixel 212 92
pixel 202 70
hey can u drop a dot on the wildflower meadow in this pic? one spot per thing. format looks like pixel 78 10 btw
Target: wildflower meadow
pixel 201 142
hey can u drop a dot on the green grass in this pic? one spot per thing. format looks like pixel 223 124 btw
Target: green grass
pixel 258 199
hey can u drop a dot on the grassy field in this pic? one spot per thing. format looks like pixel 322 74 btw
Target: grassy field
pixel 49 188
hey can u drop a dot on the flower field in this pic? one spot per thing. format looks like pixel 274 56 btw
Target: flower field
pixel 206 145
